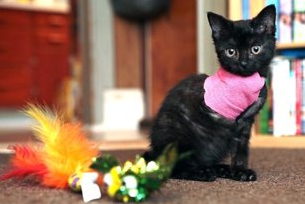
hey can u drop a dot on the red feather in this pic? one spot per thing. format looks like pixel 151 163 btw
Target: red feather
pixel 25 162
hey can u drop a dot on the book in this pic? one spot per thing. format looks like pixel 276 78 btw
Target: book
pixel 235 10
pixel 255 7
pixel 298 5
pixel 288 96
pixel 299 21
pixel 303 96
pixel 280 87
pixel 285 21
pixel 246 9
pixel 286 6
pixel 297 66
pixel 290 93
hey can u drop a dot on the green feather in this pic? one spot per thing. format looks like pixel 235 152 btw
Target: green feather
pixel 104 163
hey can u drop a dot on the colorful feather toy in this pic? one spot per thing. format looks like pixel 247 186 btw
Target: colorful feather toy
pixel 64 150
pixel 64 158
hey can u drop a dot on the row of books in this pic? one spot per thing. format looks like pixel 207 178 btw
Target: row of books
pixel 291 19
pixel 284 111
pixel 290 16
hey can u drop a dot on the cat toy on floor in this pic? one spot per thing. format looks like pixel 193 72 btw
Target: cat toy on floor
pixel 64 158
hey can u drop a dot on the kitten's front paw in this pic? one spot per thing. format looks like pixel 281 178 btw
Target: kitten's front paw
pixel 244 175
pixel 200 174
pixel 223 171
pixel 207 174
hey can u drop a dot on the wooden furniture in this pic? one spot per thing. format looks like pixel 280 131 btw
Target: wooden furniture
pixel 129 53
pixel 34 55
pixel 172 48
pixel 155 55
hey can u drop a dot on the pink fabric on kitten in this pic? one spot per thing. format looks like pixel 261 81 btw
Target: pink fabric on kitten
pixel 229 94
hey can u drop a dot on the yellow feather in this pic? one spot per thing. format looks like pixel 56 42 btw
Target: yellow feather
pixel 48 126
pixel 66 148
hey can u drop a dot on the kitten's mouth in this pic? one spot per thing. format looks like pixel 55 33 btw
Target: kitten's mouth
pixel 245 71
pixel 242 71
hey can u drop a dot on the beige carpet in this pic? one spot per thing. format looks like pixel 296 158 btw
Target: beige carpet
pixel 281 179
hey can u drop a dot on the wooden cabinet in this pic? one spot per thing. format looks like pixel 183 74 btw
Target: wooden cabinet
pixel 34 56
pixel 172 44
pixel 51 37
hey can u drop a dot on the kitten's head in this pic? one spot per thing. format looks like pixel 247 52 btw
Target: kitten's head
pixel 246 46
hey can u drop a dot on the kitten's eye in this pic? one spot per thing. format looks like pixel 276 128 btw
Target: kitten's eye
pixel 230 52
pixel 256 49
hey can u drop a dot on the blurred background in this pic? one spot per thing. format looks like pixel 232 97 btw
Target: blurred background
pixel 106 63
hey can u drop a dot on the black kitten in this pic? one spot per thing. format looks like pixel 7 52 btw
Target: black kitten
pixel 243 48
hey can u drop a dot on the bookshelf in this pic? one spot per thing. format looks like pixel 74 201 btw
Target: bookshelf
pixel 293 45
pixel 236 11
pixel 291 50
pixel 263 141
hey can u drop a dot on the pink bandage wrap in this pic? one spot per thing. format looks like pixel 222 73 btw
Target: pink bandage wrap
pixel 229 94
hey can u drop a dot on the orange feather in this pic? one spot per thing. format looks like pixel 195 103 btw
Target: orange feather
pixel 66 148
pixel 70 152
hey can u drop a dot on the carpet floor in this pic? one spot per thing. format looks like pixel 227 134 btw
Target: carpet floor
pixel 281 179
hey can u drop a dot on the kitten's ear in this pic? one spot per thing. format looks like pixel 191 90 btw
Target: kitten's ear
pixel 264 22
pixel 218 24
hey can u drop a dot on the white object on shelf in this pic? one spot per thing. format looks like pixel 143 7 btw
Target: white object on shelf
pixel 123 109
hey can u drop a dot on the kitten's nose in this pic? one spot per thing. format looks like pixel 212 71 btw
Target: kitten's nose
pixel 243 63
